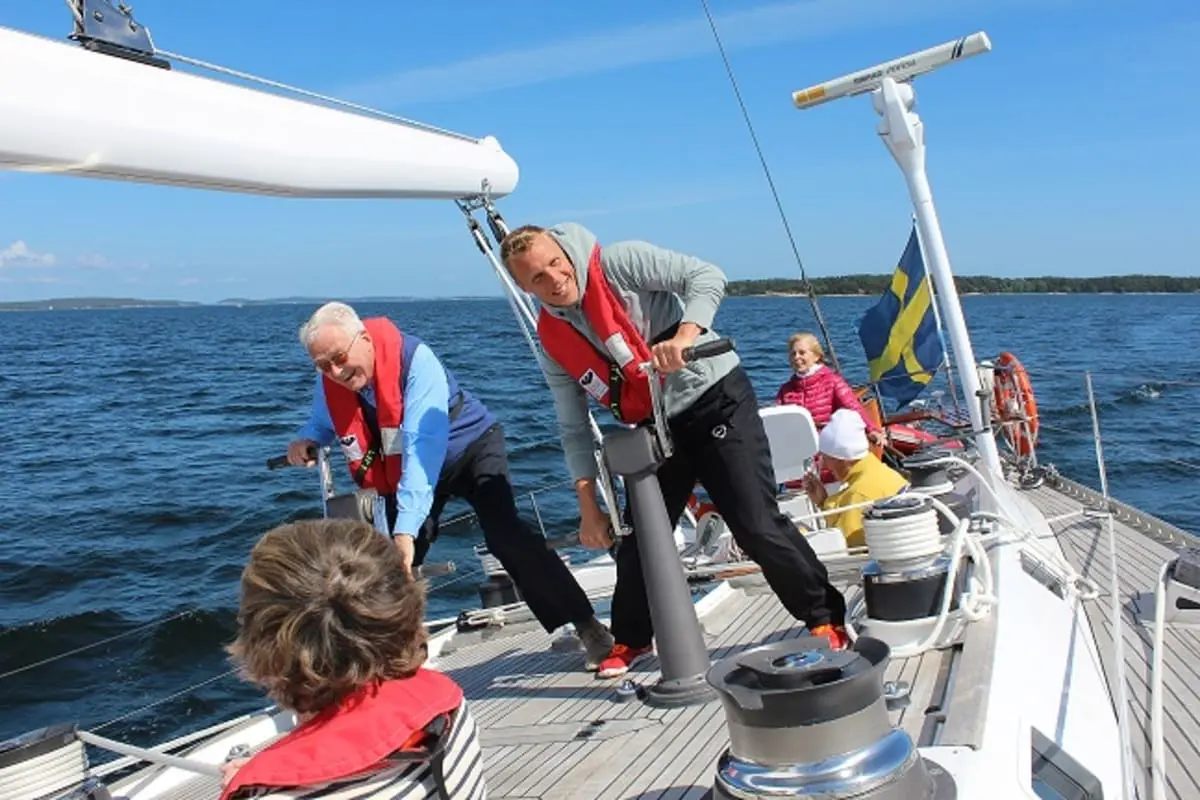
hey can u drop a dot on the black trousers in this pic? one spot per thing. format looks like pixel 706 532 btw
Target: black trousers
pixel 720 441
pixel 480 477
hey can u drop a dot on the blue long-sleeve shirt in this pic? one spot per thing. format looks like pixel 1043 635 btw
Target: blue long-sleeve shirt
pixel 424 434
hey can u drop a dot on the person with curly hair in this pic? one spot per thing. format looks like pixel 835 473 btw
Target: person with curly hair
pixel 331 626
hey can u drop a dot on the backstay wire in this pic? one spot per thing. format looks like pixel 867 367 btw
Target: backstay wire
pixel 805 284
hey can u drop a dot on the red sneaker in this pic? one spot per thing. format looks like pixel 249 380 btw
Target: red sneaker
pixel 620 659
pixel 836 634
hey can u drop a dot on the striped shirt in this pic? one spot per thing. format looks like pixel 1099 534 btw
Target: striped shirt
pixel 461 770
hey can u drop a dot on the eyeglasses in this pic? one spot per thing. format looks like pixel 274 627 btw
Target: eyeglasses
pixel 337 359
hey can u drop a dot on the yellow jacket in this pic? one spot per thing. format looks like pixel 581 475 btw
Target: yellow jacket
pixel 868 479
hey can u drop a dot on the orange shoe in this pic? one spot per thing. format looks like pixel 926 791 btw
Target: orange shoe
pixel 836 634
pixel 620 659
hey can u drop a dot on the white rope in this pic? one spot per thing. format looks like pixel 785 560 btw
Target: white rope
pixel 1072 581
pixel 974 604
pixel 906 651
pixel 1074 584
pixel 904 540
pixel 116 765
pixel 150 756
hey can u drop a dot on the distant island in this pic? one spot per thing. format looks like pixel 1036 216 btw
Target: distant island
pixel 973 284
pixel 78 303
pixel 869 285
pixel 86 303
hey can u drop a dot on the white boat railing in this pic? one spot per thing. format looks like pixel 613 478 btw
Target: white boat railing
pixel 1116 620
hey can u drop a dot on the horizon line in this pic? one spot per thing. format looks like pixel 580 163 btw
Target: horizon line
pixel 302 299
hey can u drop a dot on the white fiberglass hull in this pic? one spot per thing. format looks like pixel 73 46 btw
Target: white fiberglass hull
pixel 68 110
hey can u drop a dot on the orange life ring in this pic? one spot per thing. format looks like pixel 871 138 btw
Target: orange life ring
pixel 1016 405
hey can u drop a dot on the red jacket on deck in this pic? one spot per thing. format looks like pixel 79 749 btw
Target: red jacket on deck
pixel 822 393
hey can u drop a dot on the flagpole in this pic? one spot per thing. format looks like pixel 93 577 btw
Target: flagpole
pixel 903 134
pixel 946 364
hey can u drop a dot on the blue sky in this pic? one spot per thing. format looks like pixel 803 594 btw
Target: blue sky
pixel 1069 149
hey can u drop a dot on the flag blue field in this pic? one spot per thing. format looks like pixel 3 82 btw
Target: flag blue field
pixel 900 333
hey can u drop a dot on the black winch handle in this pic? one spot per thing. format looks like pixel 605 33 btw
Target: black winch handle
pixel 279 462
pixel 716 347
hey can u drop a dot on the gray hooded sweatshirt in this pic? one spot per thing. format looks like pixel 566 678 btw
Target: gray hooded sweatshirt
pixel 660 288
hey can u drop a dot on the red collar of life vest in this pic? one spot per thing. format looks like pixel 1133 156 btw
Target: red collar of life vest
pixel 612 378
pixel 374 461
pixel 354 736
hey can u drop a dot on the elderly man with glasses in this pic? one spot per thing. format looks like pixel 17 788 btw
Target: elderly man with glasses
pixel 411 433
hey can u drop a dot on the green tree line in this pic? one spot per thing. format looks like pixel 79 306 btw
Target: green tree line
pixel 983 284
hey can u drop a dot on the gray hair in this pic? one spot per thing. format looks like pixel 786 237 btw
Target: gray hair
pixel 339 314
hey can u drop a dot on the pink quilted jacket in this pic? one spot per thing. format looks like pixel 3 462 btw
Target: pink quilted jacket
pixel 822 393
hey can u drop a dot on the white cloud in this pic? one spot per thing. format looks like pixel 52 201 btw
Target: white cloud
pixel 18 254
pixel 188 281
pixel 659 42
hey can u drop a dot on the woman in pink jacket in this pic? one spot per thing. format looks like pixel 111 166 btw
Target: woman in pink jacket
pixel 818 388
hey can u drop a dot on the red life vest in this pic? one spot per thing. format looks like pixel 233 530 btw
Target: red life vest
pixel 363 453
pixel 354 736
pixel 612 379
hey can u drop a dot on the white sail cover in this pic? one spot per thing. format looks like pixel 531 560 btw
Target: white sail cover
pixel 68 110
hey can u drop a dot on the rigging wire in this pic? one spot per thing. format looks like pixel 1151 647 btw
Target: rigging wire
pixel 461 575
pixel 804 282
pixel 100 643
pixel 173 696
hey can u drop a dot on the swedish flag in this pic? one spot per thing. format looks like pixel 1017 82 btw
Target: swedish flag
pixel 900 333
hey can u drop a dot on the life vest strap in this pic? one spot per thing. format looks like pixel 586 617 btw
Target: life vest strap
pixel 616 379
pixel 371 417
pixel 439 728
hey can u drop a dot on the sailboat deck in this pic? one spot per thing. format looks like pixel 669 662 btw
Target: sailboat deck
pixel 549 730
pixel 1139 556
pixel 552 731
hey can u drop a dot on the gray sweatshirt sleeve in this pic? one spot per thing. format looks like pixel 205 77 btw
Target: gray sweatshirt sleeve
pixel 651 268
pixel 571 407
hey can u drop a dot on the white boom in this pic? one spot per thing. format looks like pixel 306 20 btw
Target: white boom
pixel 70 110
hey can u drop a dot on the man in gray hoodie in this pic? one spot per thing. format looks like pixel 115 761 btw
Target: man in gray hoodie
pixel 603 310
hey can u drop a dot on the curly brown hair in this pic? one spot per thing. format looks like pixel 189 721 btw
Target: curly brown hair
pixel 327 608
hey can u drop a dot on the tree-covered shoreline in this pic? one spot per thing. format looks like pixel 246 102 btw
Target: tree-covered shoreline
pixel 868 285
pixel 976 284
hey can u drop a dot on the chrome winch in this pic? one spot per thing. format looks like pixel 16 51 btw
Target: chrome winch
pixel 807 721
